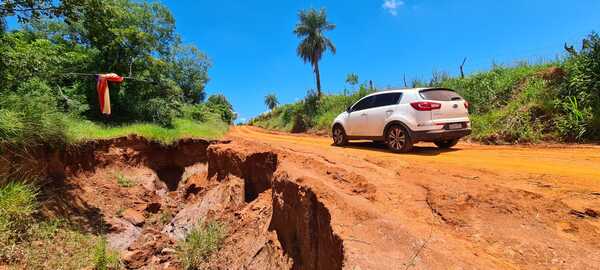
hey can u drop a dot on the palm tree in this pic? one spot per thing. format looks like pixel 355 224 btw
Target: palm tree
pixel 311 27
pixel 352 79
pixel 271 101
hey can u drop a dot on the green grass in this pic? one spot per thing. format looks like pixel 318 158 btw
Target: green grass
pixel 17 206
pixel 82 130
pixel 509 104
pixel 60 248
pixel 124 181
pixel 200 243
pixel 104 258
pixel 29 243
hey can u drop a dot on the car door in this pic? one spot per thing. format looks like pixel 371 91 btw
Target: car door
pixel 357 117
pixel 383 107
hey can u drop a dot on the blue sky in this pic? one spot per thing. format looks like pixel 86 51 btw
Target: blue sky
pixel 253 48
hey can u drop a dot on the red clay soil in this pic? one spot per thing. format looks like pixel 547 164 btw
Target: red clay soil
pixel 475 207
pixel 296 202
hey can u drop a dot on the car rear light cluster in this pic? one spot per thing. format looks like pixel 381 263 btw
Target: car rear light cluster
pixel 466 104
pixel 426 106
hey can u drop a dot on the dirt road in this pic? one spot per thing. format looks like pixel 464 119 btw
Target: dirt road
pixel 473 207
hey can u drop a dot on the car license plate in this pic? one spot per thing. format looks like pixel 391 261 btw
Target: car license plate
pixel 455 126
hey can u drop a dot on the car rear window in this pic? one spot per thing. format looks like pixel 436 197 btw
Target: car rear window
pixel 440 95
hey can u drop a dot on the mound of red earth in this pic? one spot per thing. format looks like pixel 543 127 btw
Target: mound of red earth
pixel 145 197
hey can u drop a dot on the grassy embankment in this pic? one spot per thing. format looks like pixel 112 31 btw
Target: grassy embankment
pixel 558 100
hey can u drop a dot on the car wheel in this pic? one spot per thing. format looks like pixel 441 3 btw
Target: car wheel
pixel 398 139
pixel 446 143
pixel 339 136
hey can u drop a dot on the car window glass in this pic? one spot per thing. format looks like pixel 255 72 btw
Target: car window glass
pixel 387 99
pixel 363 104
pixel 440 95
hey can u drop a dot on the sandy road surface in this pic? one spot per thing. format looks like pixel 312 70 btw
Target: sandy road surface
pixel 473 207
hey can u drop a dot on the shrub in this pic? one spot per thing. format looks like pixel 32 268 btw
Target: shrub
pixel 574 124
pixel 29 116
pixel 219 104
pixel 200 243
pixel 159 111
pixel 580 93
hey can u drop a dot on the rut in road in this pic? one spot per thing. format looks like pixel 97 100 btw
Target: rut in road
pixel 484 217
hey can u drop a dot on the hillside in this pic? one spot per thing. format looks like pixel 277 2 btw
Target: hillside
pixel 557 100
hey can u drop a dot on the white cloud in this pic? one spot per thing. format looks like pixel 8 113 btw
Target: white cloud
pixel 392 6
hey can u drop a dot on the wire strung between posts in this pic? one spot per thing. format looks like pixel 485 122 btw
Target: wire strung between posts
pixel 93 74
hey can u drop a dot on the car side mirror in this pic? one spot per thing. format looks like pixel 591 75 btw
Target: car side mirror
pixel 349 110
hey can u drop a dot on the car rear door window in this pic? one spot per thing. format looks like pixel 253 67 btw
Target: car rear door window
pixel 364 104
pixel 440 95
pixel 387 99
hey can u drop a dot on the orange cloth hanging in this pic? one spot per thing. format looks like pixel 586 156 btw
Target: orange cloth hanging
pixel 102 88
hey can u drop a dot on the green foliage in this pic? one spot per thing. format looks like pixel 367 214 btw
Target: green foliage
pixel 50 248
pixel 121 36
pixel 271 101
pixel 29 116
pixel 158 110
pixel 575 122
pixel 80 130
pixel 488 91
pixel 33 244
pixel 523 103
pixel 124 181
pixel 104 258
pixel 17 206
pixel 580 93
pixel 310 113
pixel 200 243
pixel 311 29
pixel 219 104
pixel 352 79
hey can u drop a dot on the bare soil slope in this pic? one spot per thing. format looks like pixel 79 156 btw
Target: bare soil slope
pixel 296 202
pixel 473 207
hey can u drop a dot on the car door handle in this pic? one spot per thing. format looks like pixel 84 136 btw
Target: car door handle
pixel 389 111
pixel 364 114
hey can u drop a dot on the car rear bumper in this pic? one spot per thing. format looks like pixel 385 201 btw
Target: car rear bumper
pixel 439 135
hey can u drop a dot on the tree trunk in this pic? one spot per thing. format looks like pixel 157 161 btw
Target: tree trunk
pixel 318 77
pixel 462 71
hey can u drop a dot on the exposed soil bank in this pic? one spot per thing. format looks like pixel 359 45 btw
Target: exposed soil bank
pixel 145 197
pixel 303 225
pixel 474 207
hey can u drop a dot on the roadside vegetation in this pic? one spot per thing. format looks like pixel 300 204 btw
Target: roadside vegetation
pixel 556 100
pixel 29 242
pixel 48 99
pixel 47 74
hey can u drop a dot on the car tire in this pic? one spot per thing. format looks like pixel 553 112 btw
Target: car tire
pixel 339 136
pixel 446 144
pixel 397 139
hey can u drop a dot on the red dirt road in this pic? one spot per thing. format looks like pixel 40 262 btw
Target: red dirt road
pixel 473 207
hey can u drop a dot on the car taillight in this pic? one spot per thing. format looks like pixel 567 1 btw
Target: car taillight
pixel 466 104
pixel 426 106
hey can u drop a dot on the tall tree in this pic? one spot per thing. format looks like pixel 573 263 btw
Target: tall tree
pixel 271 101
pixel 311 29
pixel 352 79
